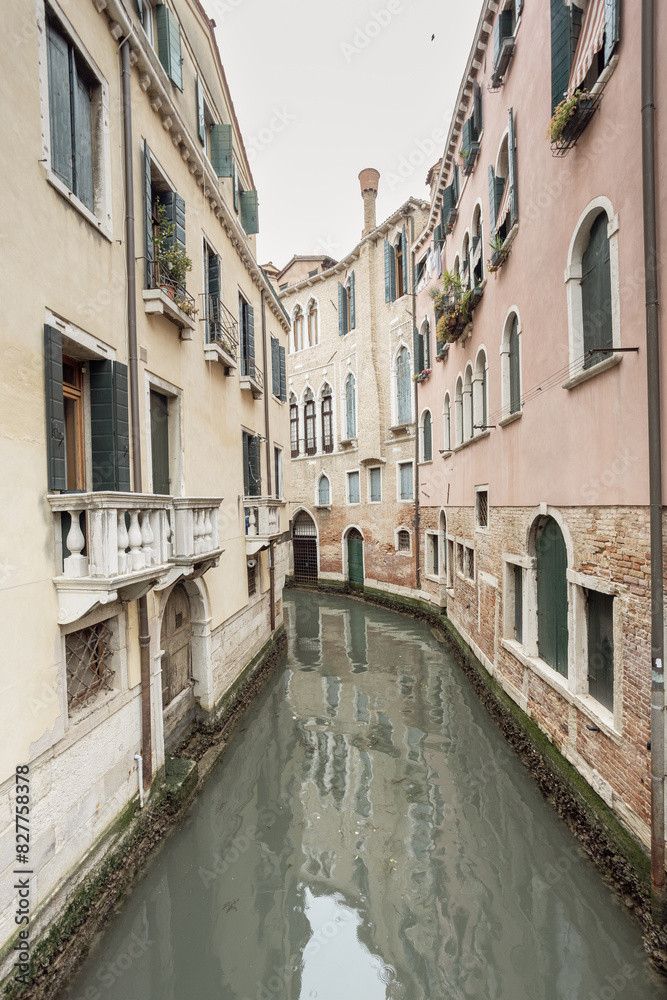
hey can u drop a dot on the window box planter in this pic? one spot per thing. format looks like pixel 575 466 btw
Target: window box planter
pixel 452 303
pixel 498 258
pixel 422 376
pixel 476 295
pixel 570 119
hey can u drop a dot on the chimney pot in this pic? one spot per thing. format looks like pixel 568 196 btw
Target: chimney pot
pixel 368 179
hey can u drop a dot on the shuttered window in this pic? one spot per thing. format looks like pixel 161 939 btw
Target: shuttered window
pixel 515 368
pixel 247 325
pixel 518 603
pixel 71 88
pixel 350 407
pixel 275 366
pixel 201 116
pixel 294 429
pixel 352 302
pixel 596 293
pixel 169 44
pixel 375 485
pixel 309 421
pixel 250 212
pixel 252 475
pixel 552 605
pixel 403 387
pixel 601 648
pixel 353 487
pixel 55 410
pixel 502 29
pixel 327 421
pixel 565 29
pixel 324 492
pixel 405 481
pixel 427 438
pixel 283 374
pixel 447 421
pixel 389 272
pixel 222 154
pixel 343 310
pixel 512 172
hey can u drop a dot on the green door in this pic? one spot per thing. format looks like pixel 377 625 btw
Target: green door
pixel 160 442
pixel 552 596
pixel 355 557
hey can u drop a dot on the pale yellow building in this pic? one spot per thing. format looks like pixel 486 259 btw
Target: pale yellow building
pixel 144 415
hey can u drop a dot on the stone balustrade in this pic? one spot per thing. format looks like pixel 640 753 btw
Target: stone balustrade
pixel 262 520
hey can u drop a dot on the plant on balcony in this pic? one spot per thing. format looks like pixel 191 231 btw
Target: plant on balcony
pixel 170 256
pixel 452 301
pixel 499 254
pixel 422 375
pixel 570 119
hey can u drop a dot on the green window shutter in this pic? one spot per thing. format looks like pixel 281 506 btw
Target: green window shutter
pixel 387 272
pixel 109 426
pixel 515 370
pixel 342 311
pixel 249 212
pixel 235 176
pixel 466 136
pixel 447 204
pixel 596 292
pixel 83 137
pixel 246 465
pixel 418 345
pixel 275 367
pixel 456 187
pixel 222 154
pixel 55 409
pixel 250 339
pixel 140 8
pixel 511 158
pixel 175 209
pixel 427 439
pixel 552 629
pixel 213 286
pixel 427 345
pixel 493 214
pixel 353 321
pixel 478 119
pixel 201 119
pixel 59 105
pixel 612 28
pixel 254 467
pixel 149 247
pixel 283 375
pixel 169 43
pixel 518 603
pixel 437 238
pixel 561 51
pixel 404 252
pixel 502 29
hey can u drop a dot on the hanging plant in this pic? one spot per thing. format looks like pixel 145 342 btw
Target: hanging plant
pixel 170 256
pixel 452 301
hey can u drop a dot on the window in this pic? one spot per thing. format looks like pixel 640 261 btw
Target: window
pixel 403 387
pixel 468 412
pixel 327 420
pixel 297 342
pixel 146 16
pixel 447 423
pixel 346 306
pixel 422 347
pixel 350 408
pixel 600 611
pixel 403 540
pixel 169 44
pixel 405 480
pixel 75 108
pixel 427 437
pixel 217 324
pixel 249 212
pixel 74 435
pixel 247 331
pixel 482 508
pixel 294 426
pixel 465 261
pixel 312 324
pixel 278 374
pixel 459 558
pixel 324 491
pixel 581 65
pixel 396 267
pixel 251 568
pixel 469 563
pixel 309 422
pixel 450 562
pixel 252 467
pixel 164 217
pixel 353 487
pixel 518 603
pixel 552 601
pixel 479 395
pixel 375 484
pixel 477 248
pixel 278 472
pixel 458 404
pixel 503 43
pixel 89 663
pixel 511 367
pixel 432 554
pixel 596 293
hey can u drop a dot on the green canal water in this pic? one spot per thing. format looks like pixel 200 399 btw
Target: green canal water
pixel 369 836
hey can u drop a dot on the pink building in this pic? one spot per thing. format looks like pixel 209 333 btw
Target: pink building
pixel 533 481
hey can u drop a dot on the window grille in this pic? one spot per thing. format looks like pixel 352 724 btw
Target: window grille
pixel 403 540
pixel 482 504
pixel 252 580
pixel 470 563
pixel 88 655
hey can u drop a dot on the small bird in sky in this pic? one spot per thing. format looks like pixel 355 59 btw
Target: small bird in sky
pixel 432 37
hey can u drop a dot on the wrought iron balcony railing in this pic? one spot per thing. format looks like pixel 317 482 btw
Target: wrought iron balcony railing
pixel 222 327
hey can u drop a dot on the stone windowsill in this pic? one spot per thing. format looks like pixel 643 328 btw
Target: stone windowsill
pixel 348 442
pixel 158 302
pixel 322 506
pixel 587 705
pixel 446 454
pixel 585 373
pixel 104 229
pixel 402 428
pixel 510 419
pixel 216 352
pixel 477 437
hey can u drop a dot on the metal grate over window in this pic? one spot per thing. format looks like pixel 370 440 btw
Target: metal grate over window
pixel 470 563
pixel 88 655
pixel 404 541
pixel 252 579
pixel 482 502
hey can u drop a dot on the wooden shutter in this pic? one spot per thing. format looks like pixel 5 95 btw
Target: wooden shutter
pixel 596 292
pixel 342 311
pixel 387 272
pixel 59 105
pixel 169 43
pixel 437 238
pixel 109 426
pixel 246 465
pixel 447 204
pixel 275 367
pixel 222 155
pixel 255 467
pixel 561 50
pixel 492 202
pixel 149 247
pixel 55 408
pixel 250 339
pixel 466 135
pixel 503 29
pixel 175 210
pixel 511 159
pixel 213 275
pixel 249 212
pixel 82 137
pixel 235 177
pixel 160 442
pixel 283 375
pixel 404 252
pixel 427 455
pixel 352 302
pixel 478 120
pixel 552 630
pixel 612 28
pixel 418 345
pixel 201 118
pixel 515 371
pixel 456 188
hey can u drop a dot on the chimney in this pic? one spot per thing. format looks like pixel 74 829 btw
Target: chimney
pixel 368 179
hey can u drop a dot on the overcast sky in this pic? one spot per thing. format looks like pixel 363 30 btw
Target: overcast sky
pixel 322 90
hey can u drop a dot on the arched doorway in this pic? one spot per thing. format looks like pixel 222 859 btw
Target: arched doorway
pixel 355 557
pixel 551 561
pixel 175 640
pixel 304 547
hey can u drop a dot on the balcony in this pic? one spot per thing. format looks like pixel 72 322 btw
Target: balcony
pixel 114 546
pixel 170 299
pixel 262 522
pixel 251 377
pixel 501 64
pixel 222 332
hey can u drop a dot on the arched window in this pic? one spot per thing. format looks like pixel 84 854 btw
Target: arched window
pixel 324 491
pixel 423 347
pixel 400 264
pixel 294 425
pixel 510 358
pixel 312 323
pixel 467 404
pixel 403 386
pixel 350 408
pixel 327 419
pixel 552 607
pixel 447 423
pixel 479 395
pixel 442 544
pixel 296 343
pixel 477 248
pixel 596 293
pixel 458 405
pixel 309 422
pixel 427 437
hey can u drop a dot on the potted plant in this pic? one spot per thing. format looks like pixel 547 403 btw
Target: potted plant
pixel 499 253
pixel 570 115
pixel 420 376
pixel 171 258
pixel 452 302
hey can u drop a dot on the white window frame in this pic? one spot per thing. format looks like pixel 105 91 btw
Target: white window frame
pixel 348 474
pixel 432 538
pixel 485 529
pixel 402 552
pixel 175 430
pixel 323 506
pixel 505 387
pixel 280 484
pixel 372 468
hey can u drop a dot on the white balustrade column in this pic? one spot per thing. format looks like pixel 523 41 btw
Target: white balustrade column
pixel 75 565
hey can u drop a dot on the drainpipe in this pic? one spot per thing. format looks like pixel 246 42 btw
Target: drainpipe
pixel 267 432
pixel 655 466
pixel 416 385
pixel 135 426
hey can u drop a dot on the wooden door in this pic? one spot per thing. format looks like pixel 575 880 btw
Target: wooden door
pixel 175 641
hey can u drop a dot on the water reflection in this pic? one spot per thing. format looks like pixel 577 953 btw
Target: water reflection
pixel 369 792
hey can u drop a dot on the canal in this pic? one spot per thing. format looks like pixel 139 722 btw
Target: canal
pixel 369 836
